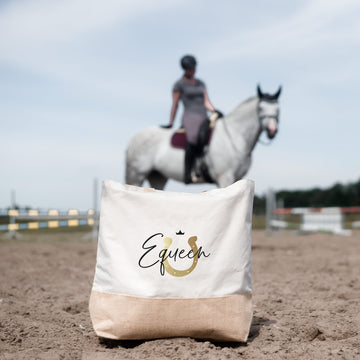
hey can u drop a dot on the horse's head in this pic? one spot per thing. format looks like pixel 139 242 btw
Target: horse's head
pixel 268 112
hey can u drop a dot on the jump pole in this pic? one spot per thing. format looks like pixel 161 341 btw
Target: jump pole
pixel 12 233
pixel 93 235
pixel 270 206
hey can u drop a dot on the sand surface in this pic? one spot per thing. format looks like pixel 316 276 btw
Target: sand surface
pixel 306 298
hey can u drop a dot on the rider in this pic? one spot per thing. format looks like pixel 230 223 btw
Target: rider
pixel 192 92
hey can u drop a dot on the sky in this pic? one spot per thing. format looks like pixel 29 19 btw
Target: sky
pixel 80 77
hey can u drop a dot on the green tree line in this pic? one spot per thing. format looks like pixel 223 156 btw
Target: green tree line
pixel 337 195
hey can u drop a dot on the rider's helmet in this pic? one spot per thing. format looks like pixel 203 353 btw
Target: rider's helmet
pixel 188 62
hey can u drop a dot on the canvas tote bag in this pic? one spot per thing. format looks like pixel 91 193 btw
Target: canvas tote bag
pixel 173 264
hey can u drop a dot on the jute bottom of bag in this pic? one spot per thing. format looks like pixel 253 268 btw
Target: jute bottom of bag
pixel 124 317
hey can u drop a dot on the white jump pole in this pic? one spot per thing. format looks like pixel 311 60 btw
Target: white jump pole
pixel 96 214
pixel 93 235
pixel 12 233
pixel 270 206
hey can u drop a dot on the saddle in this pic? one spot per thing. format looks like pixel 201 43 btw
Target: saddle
pixel 178 139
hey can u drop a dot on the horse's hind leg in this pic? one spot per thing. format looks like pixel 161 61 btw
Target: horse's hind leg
pixel 134 177
pixel 157 180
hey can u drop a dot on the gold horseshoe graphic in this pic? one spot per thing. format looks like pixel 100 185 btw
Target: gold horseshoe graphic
pixel 169 269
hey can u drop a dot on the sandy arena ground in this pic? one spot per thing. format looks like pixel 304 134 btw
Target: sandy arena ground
pixel 306 298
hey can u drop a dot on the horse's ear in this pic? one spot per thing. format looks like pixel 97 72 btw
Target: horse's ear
pixel 278 93
pixel 259 93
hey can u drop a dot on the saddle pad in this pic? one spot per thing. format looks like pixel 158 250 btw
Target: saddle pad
pixel 173 264
pixel 178 139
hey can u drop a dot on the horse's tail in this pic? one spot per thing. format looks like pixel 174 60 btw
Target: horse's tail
pixel 130 171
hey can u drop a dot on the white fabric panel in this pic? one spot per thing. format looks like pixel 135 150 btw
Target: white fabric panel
pixel 219 218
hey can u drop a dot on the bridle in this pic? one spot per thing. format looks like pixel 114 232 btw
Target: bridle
pixel 261 120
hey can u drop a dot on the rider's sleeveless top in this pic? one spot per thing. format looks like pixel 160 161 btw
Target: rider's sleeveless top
pixel 192 97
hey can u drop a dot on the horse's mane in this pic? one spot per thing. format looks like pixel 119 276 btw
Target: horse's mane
pixel 244 107
pixel 248 99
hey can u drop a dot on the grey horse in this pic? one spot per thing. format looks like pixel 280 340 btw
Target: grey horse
pixel 227 159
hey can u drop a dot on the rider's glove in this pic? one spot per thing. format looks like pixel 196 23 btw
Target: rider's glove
pixel 220 114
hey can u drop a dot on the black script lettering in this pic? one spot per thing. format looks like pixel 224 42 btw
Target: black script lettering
pixel 181 252
pixel 190 254
pixel 148 248
pixel 162 255
pixel 201 252
pixel 171 256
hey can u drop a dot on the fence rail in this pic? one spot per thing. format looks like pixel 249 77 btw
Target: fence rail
pixel 53 218
pixel 326 210
pixel 330 219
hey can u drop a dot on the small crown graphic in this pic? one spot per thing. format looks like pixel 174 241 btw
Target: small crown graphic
pixel 180 233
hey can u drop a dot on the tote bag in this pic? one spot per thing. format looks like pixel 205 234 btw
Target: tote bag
pixel 173 264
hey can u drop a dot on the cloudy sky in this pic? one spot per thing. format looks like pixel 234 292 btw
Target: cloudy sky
pixel 80 77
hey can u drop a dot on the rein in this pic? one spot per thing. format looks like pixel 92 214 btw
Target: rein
pixel 229 136
pixel 265 143
pixel 262 142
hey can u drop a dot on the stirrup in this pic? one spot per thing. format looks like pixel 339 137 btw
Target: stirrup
pixel 195 179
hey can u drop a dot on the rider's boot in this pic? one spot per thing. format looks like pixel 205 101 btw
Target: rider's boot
pixel 190 155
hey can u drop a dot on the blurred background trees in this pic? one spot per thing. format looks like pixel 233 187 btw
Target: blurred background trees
pixel 341 195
